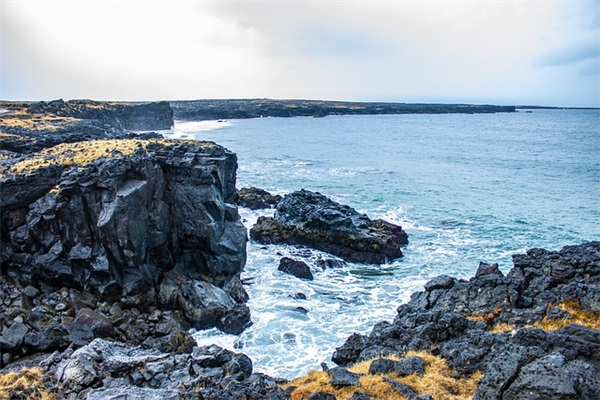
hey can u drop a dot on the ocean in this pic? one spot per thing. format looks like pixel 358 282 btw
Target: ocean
pixel 466 188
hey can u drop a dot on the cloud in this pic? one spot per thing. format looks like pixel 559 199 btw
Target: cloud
pixel 474 51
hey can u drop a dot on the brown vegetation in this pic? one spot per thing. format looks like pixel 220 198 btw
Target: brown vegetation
pixel 438 381
pixel 25 384
pixel 82 153
pixel 31 122
pixel 577 315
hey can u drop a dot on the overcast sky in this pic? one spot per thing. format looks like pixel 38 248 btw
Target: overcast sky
pixel 503 52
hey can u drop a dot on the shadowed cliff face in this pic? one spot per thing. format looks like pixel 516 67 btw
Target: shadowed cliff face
pixel 149 223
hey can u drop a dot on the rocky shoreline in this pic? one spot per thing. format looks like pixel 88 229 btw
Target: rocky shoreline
pixel 115 245
pixel 196 110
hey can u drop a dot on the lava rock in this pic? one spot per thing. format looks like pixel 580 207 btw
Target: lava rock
pixel 523 362
pixel 255 198
pixel 320 395
pixel 311 219
pixel 341 377
pixel 299 269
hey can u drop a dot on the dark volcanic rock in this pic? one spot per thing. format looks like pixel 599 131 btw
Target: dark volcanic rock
pixel 149 232
pixel 297 268
pixel 526 363
pixel 311 219
pixel 105 369
pixel 132 116
pixel 341 377
pixel 256 198
pixel 255 108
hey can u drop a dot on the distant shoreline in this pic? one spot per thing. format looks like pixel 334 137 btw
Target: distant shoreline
pixel 554 108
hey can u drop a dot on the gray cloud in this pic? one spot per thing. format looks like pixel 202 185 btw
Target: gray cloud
pixel 476 51
pixel 572 54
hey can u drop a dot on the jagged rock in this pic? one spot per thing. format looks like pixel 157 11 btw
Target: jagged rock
pixel 320 395
pixel 404 367
pixel 100 325
pixel 105 369
pixel 136 228
pixel 311 219
pixel 115 226
pixel 360 396
pixel 341 377
pixel 297 268
pixel 327 263
pixel 401 388
pixel 255 198
pixel 350 351
pixel 488 269
pixel 13 338
pixel 524 363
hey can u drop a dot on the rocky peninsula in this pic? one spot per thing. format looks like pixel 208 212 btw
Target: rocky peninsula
pixel 196 110
pixel 114 245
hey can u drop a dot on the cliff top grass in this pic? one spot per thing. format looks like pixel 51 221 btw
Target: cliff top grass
pixel 83 153
pixel 33 122
pixel 438 381
pixel 25 384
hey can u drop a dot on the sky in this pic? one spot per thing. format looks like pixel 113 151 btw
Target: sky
pixel 542 52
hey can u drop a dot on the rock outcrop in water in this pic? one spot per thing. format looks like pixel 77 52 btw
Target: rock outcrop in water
pixel 311 219
pixel 255 198
pixel 144 225
pixel 492 323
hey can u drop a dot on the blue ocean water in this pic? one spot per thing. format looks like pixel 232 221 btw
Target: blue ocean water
pixel 466 188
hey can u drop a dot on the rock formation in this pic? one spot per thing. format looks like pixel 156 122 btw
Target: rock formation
pixel 150 225
pixel 313 220
pixel 256 198
pixel 466 323
pixel 195 110
pixel 108 370
pixel 128 116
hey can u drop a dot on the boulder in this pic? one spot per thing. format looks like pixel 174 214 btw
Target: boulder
pixel 299 269
pixel 313 220
pixel 105 369
pixel 255 198
pixel 341 377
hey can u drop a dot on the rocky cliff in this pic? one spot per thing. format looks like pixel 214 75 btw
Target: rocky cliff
pixel 145 224
pixel 131 116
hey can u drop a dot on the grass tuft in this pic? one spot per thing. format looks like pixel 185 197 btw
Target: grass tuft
pixel 438 381
pixel 589 319
pixel 25 384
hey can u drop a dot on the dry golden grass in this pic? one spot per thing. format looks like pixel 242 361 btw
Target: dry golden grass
pixel 438 381
pixel 485 317
pixel 589 319
pixel 24 120
pixel 25 384
pixel 82 153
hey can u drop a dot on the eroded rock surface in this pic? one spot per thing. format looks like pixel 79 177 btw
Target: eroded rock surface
pixel 151 226
pixel 255 198
pixel 453 318
pixel 313 220
pixel 108 370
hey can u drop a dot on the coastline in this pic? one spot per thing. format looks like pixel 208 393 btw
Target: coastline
pixel 581 262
